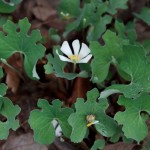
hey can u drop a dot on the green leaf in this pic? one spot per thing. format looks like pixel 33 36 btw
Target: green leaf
pixel 55 65
pixel 119 133
pixel 12 2
pixel 78 123
pixel 92 95
pixel 105 55
pixel 144 15
pixel 113 5
pixel 86 67
pixel 9 111
pixel 96 30
pixel 1 72
pixel 146 45
pixel 133 122
pixel 1 104
pixel 54 35
pixel 3 89
pixel 126 32
pixel 73 26
pixel 98 145
pixel 3 20
pixel 87 1
pixel 71 7
pixel 107 127
pixel 41 121
pixel 95 9
pixel 21 41
pixel 106 93
pixel 5 8
pixel 85 18
pixel 135 64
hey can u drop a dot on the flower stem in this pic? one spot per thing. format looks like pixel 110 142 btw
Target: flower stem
pixel 73 71
pixel 74 67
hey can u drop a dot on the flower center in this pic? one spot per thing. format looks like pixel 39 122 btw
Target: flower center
pixel 91 120
pixel 74 58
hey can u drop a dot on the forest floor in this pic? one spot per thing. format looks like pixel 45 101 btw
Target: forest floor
pixel 43 15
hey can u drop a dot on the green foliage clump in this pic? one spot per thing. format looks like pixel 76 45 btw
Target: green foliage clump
pixel 114 47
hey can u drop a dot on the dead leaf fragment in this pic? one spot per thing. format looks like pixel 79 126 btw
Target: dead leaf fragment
pixel 43 13
pixel 22 142
pixel 80 88
pixel 13 77
pixel 119 146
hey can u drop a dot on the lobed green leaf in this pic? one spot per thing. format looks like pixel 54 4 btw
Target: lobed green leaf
pixel 113 5
pixel 144 15
pixel 70 7
pixel 3 89
pixel 98 145
pixel 105 55
pixel 5 8
pixel 17 39
pixel 41 120
pixel 137 66
pixel 133 121
pixel 9 111
pixel 107 127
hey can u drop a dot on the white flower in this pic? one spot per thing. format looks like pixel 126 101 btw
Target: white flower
pixel 79 54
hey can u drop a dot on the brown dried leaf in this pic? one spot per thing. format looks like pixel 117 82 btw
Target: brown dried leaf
pixel 12 80
pixel 43 13
pixel 58 87
pixel 80 88
pixel 12 77
pixel 119 146
pixel 22 142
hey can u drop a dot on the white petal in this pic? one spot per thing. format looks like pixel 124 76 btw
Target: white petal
pixel 96 122
pixel 54 122
pixel 65 48
pixel 58 131
pixel 84 51
pixel 63 58
pixel 86 59
pixel 76 46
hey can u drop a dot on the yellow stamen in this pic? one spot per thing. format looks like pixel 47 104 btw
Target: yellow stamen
pixel 74 58
pixel 89 124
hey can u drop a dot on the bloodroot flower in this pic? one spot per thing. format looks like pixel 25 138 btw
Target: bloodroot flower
pixel 79 54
